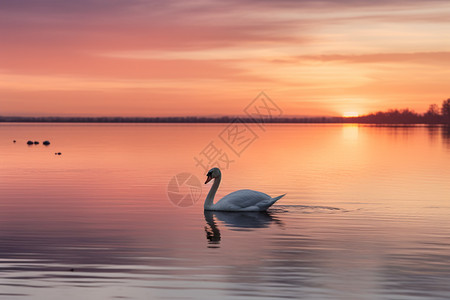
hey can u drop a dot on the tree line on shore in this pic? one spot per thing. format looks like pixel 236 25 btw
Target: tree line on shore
pixel 434 115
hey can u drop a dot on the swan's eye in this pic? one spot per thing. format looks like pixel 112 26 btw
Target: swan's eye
pixel 209 174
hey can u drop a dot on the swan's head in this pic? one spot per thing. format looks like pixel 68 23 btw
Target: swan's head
pixel 213 173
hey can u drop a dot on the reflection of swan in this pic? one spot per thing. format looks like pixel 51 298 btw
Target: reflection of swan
pixel 236 221
pixel 242 220
pixel 242 200
pixel 212 231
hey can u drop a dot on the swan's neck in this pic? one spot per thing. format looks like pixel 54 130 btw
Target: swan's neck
pixel 212 192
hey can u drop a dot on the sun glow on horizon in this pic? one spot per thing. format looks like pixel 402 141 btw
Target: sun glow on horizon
pixel 349 114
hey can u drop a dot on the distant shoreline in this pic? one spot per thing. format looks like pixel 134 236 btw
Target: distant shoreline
pixel 167 120
pixel 183 120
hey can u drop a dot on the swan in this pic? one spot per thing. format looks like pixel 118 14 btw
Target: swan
pixel 242 200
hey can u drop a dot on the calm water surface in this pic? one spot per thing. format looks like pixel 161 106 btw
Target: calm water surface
pixel 366 215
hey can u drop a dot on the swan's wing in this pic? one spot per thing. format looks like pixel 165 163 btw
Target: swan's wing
pixel 242 199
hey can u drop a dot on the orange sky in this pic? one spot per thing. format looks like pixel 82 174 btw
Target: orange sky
pixel 172 58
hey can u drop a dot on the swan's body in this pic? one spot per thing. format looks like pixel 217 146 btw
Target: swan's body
pixel 242 200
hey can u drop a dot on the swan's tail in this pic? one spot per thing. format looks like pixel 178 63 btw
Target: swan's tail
pixel 275 199
pixel 264 205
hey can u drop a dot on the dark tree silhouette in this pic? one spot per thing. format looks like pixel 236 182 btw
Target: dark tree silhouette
pixel 433 110
pixel 446 110
pixel 433 114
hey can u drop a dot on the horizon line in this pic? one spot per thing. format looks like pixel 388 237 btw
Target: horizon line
pixel 364 119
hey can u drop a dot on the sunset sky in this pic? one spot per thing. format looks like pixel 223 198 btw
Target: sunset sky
pixel 207 57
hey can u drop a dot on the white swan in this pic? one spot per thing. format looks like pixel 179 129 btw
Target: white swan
pixel 242 200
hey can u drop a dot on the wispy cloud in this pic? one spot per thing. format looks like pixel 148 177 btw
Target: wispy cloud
pixel 296 49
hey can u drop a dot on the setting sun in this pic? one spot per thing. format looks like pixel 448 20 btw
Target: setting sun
pixel 349 114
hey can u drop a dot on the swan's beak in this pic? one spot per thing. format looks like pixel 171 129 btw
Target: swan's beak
pixel 208 179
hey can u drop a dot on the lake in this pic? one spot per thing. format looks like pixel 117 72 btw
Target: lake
pixel 119 213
